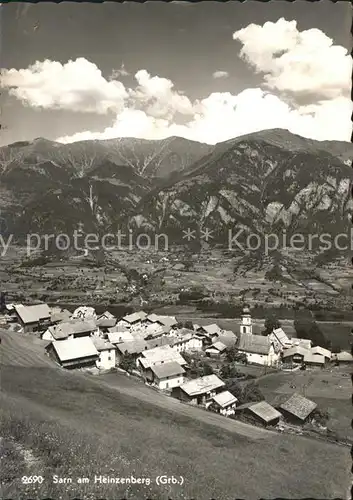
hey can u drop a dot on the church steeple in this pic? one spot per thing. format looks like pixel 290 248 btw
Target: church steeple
pixel 246 323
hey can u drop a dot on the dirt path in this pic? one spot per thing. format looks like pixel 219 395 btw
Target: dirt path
pixel 140 391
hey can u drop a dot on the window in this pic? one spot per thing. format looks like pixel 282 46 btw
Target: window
pixel 109 358
pixel 244 329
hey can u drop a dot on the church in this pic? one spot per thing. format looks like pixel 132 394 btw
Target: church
pixel 259 349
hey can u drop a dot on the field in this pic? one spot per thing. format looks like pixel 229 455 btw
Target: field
pixel 55 422
pixel 331 390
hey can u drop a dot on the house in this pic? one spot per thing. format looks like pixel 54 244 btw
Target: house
pixel 107 315
pixel 228 338
pixel 322 351
pixel 342 357
pixel 134 349
pixel 216 349
pixel 105 323
pixel 224 403
pixel 152 330
pixel 210 330
pixel 58 315
pixel 33 318
pixel 118 337
pixel 297 408
pixel 258 349
pixel 294 355
pixel 261 412
pixel 159 355
pixel 166 375
pixel 159 341
pixel 314 360
pixel 134 318
pixel 306 343
pixel 74 353
pixel 71 329
pixel 199 391
pixel 187 340
pixel 280 339
pixel 107 353
pixel 84 312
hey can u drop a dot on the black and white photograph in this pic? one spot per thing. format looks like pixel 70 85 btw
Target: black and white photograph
pixel 176 248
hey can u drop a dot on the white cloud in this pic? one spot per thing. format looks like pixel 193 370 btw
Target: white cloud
pixel 122 71
pixel 305 62
pixel 289 59
pixel 76 86
pixel 220 74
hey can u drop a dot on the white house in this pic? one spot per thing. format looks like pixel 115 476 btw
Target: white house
pixel 187 341
pixel 167 375
pixel 159 355
pixel 107 353
pixel 224 403
pixel 321 351
pixel 258 349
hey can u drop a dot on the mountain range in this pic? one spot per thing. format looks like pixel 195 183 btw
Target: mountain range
pixel 268 181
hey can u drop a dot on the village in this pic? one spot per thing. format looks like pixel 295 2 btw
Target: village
pixel 200 365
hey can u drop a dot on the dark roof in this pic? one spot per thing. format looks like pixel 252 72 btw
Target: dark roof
pixel 167 369
pixel 256 344
pixel 299 406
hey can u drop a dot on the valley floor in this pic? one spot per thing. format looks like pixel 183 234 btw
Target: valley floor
pixel 58 422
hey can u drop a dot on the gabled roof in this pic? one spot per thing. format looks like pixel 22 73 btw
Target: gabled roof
pixel 281 336
pixel 314 358
pixel 343 356
pixel 306 343
pixel 202 385
pixel 167 320
pixel 224 399
pixel 163 354
pixel 107 315
pixel 72 327
pixel 118 337
pixel 70 349
pixel 153 318
pixel 295 350
pixel 256 344
pixel 135 317
pixel 133 347
pixel 264 411
pixel 299 406
pixel 170 369
pixel 219 346
pixel 106 322
pixel 32 314
pixel 322 351
pixel 159 341
pixel 57 315
pixel 211 329
pixel 101 344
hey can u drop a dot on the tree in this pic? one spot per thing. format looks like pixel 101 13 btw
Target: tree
pixel 229 371
pixel 127 362
pixel 251 392
pixel 232 354
pixel 308 329
pixel 271 323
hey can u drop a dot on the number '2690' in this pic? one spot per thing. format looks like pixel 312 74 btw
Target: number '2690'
pixel 32 479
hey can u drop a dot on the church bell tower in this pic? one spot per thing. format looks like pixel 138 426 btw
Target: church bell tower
pixel 246 323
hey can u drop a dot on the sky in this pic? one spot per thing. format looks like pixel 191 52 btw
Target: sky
pixel 205 71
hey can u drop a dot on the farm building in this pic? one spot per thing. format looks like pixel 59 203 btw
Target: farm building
pixel 200 390
pixel 224 403
pixel 297 408
pixel 134 318
pixel 322 351
pixel 294 355
pixel 107 353
pixel 305 343
pixel 70 329
pixel 33 318
pixel 261 412
pixel 228 338
pixel 342 357
pixel 74 353
pixel 105 323
pixel 166 375
pixel 280 339
pixel 314 360
pixel 216 349
pixel 107 315
pixel 258 349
